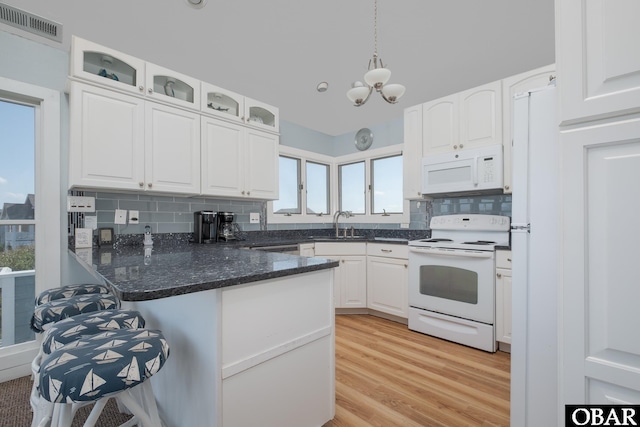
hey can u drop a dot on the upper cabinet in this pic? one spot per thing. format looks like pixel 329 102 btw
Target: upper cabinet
pixel 468 119
pixel 511 86
pixel 139 126
pixel 123 142
pixel 108 67
pixel 232 106
pixel 598 61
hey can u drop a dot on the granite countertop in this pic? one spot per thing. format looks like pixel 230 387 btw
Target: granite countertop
pixel 179 269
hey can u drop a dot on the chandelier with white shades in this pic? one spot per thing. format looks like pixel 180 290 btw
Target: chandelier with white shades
pixel 377 77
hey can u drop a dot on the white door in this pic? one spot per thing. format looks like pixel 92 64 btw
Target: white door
pixel 600 294
pixel 481 116
pixel 261 172
pixel 412 152
pixel 351 277
pixel 106 147
pixel 222 162
pixel 440 125
pixel 172 150
pixel 387 285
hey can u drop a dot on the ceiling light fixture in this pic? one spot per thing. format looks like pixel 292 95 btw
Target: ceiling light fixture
pixel 376 77
pixel 197 3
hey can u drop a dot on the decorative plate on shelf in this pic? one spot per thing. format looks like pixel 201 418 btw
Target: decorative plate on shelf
pixel 364 139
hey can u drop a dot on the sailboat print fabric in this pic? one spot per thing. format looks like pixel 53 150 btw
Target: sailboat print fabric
pixel 57 310
pixel 70 291
pixel 88 369
pixel 89 324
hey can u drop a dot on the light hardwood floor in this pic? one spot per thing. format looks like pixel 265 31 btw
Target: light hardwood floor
pixel 387 375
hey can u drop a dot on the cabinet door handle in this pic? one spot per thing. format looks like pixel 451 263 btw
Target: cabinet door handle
pixel 405 266
pixel 455 147
pixel 509 259
pixel 248 193
pixel 150 90
pixel 149 185
pixel 461 145
pixel 499 275
pixel 506 187
pixel 243 192
pixel 141 88
pixel 141 184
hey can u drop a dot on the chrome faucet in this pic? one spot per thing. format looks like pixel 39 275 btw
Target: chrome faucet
pixel 336 218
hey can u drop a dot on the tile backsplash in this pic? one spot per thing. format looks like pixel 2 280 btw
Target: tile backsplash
pixel 174 214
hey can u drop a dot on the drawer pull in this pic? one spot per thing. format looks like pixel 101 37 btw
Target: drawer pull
pixel 509 259
pixel 386 250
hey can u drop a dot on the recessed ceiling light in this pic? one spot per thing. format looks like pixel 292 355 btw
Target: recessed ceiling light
pixel 322 87
pixel 196 3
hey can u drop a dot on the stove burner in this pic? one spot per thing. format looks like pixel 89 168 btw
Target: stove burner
pixel 479 242
pixel 436 240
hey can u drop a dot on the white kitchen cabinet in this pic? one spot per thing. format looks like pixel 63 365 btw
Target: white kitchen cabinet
pixel 412 152
pixel 306 249
pixel 387 279
pixel 110 68
pixel 118 141
pixel 503 297
pixel 468 119
pixel 238 108
pixel 350 277
pixel 598 64
pixel 440 125
pixel 238 161
pixel 511 86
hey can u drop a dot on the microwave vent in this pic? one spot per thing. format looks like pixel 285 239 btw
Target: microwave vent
pixel 30 23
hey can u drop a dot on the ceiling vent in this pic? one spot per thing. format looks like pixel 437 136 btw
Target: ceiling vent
pixel 30 23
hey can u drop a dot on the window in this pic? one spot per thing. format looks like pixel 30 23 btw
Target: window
pixel 31 213
pixel 289 202
pixel 351 179
pixel 317 193
pixel 305 192
pixel 386 185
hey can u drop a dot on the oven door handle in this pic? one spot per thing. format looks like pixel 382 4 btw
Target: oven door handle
pixel 458 253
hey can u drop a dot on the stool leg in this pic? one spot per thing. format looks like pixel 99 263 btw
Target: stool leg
pixel 137 410
pixel 92 419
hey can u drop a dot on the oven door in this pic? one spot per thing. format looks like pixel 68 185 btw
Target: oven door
pixel 455 282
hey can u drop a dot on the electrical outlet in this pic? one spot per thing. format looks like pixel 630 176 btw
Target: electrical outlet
pixel 134 217
pixel 254 217
pixel 121 217
pixel 81 204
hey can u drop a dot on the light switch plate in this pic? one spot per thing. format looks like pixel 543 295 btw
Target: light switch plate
pixel 254 218
pixel 121 217
pixel 134 217
pixel 81 204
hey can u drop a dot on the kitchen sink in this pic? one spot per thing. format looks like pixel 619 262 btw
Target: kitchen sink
pixel 332 238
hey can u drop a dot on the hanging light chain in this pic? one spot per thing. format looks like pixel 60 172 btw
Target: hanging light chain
pixel 375 28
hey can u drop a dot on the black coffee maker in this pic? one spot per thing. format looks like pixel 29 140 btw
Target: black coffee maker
pixel 205 227
pixel 226 227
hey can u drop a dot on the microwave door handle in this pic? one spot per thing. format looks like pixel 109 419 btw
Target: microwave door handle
pixel 474 171
pixel 458 253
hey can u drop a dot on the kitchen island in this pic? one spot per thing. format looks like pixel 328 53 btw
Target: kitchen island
pixel 251 333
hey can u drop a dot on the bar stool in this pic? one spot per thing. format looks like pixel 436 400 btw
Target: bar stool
pixel 70 291
pixel 100 367
pixel 44 315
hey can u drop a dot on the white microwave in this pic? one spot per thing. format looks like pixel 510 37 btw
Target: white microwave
pixel 471 171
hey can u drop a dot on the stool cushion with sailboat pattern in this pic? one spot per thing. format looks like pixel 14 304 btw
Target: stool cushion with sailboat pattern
pixel 57 310
pixel 107 363
pixel 89 324
pixel 70 291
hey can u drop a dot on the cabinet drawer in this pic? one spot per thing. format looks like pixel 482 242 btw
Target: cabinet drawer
pixel 388 250
pixel 340 248
pixel 503 259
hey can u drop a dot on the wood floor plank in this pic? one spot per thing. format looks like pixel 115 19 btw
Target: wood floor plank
pixel 387 375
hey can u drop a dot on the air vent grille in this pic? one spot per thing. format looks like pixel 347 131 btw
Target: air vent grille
pixel 31 23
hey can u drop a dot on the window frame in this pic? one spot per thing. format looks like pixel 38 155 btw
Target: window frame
pixel 48 213
pixel 402 219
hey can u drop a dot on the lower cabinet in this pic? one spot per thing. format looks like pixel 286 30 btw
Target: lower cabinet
pixel 387 279
pixel 370 275
pixel 503 297
pixel 350 277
